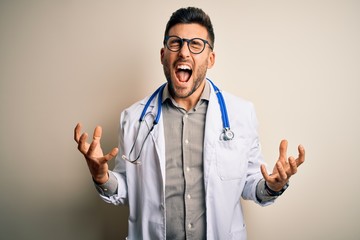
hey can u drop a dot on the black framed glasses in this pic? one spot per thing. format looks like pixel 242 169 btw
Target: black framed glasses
pixel 195 45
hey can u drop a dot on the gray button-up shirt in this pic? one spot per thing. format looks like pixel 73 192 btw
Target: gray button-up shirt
pixel 184 188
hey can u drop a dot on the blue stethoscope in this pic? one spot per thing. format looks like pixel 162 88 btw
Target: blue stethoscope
pixel 226 134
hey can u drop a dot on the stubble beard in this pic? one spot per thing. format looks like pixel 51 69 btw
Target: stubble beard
pixel 178 93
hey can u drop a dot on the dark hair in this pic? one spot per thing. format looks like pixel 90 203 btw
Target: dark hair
pixel 191 15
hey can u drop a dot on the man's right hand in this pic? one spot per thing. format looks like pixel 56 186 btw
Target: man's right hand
pixel 95 159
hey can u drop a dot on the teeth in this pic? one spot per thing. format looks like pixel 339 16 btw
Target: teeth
pixel 183 67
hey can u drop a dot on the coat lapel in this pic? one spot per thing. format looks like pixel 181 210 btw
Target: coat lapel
pixel 213 128
pixel 158 138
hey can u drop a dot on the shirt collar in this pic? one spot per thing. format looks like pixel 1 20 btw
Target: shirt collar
pixel 205 95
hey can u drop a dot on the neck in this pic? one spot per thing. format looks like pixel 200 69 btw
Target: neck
pixel 189 102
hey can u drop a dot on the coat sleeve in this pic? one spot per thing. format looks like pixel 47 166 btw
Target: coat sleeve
pixel 255 159
pixel 119 171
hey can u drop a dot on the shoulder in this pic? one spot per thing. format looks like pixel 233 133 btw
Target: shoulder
pixel 240 111
pixel 233 101
pixel 236 107
pixel 133 112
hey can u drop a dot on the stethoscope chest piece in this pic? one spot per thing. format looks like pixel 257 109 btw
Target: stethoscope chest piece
pixel 227 135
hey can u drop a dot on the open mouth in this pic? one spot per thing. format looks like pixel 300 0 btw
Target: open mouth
pixel 183 73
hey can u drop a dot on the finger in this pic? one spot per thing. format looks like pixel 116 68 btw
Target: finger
pixel 97 133
pixel 82 143
pixel 265 173
pixel 281 171
pixel 301 157
pixel 293 165
pixel 92 148
pixel 283 150
pixel 110 155
pixel 77 131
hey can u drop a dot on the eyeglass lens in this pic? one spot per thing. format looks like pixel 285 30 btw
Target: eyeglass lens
pixel 195 45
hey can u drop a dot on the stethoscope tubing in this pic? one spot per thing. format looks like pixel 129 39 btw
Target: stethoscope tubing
pixel 224 114
pixel 159 93
pixel 226 135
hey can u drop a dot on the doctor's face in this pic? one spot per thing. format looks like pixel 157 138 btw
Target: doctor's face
pixel 184 70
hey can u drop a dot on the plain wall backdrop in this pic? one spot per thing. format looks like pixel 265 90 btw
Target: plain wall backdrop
pixel 63 62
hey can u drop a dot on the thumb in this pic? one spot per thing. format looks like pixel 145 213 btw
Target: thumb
pixel 110 155
pixel 264 172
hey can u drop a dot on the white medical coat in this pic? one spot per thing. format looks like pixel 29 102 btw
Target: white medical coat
pixel 231 170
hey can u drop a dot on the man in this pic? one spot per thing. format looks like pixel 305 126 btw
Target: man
pixel 182 171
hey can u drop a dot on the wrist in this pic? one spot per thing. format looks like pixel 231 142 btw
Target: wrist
pixel 276 193
pixel 101 179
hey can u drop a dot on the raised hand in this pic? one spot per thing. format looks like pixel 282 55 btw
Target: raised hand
pixel 95 159
pixel 284 167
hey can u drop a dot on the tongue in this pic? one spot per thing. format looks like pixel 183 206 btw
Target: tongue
pixel 183 76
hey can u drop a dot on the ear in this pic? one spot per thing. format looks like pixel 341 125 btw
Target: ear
pixel 211 60
pixel 162 55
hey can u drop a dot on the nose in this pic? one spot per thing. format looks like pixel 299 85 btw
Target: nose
pixel 184 50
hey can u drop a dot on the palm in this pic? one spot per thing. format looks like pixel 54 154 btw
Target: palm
pixel 284 167
pixel 93 153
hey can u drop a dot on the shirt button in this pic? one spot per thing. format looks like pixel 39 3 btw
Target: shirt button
pixel 186 115
pixel 188 196
pixel 189 225
pixel 186 141
pixel 187 169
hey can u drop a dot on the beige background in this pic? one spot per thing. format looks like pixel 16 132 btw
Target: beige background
pixel 67 61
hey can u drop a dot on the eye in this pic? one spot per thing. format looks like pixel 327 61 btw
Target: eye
pixel 197 44
pixel 174 42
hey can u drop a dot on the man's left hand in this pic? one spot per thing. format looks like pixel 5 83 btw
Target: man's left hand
pixel 284 167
